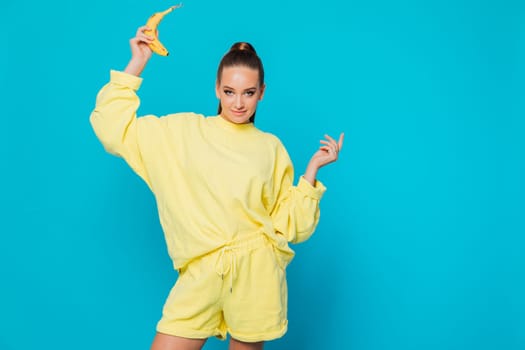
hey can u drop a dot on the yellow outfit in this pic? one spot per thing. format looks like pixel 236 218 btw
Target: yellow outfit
pixel 227 206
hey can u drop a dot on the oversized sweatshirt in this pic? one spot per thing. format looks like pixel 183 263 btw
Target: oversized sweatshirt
pixel 214 181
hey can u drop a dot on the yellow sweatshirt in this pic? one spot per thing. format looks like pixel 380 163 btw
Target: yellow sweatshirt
pixel 214 181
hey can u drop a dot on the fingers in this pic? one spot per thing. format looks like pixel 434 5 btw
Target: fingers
pixel 341 139
pixel 140 43
pixel 330 150
pixel 329 138
pixel 338 144
pixel 142 36
pixel 331 143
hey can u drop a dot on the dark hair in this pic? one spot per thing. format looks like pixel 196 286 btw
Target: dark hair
pixel 241 54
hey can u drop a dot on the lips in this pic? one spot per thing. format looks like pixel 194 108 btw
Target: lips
pixel 238 112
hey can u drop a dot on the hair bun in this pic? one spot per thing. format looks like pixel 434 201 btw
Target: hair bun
pixel 243 46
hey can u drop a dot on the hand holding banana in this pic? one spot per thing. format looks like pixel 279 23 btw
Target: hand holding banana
pixel 146 41
pixel 151 30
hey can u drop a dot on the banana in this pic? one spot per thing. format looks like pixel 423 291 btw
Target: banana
pixel 152 23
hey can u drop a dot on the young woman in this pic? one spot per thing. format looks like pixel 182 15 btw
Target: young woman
pixel 226 200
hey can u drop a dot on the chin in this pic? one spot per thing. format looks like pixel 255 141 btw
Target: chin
pixel 239 119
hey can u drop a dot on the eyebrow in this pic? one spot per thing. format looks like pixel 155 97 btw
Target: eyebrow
pixel 252 88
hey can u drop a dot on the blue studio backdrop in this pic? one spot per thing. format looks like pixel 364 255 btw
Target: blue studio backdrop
pixel 421 240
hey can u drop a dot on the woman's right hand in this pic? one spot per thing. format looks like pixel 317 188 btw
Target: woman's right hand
pixel 140 52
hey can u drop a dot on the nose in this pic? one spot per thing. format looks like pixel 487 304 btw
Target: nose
pixel 239 102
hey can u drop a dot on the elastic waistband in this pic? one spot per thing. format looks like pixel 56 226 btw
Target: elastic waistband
pixel 245 242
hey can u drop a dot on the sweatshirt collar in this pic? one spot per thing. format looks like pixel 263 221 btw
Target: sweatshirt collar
pixel 226 124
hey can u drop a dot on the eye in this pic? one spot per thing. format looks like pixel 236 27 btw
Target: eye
pixel 228 92
pixel 250 93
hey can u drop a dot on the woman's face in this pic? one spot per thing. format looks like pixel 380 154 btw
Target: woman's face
pixel 239 92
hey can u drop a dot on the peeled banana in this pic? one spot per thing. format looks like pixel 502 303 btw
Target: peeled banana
pixel 152 23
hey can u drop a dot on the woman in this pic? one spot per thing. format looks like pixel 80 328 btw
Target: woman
pixel 226 201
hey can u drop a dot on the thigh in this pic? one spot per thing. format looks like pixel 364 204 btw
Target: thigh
pixel 240 345
pixel 170 342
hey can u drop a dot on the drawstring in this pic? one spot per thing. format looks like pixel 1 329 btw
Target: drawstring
pixel 232 264
pixel 230 251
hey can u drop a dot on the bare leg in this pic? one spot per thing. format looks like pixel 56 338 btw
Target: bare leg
pixel 240 345
pixel 170 342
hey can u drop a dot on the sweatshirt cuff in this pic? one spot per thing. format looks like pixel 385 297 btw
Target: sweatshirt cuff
pixel 125 79
pixel 315 192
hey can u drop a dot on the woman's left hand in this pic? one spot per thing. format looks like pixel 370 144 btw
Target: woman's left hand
pixel 328 152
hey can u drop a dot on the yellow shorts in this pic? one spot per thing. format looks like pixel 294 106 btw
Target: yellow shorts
pixel 238 289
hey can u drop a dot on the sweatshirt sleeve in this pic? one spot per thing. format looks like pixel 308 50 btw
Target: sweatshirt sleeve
pixel 115 123
pixel 295 213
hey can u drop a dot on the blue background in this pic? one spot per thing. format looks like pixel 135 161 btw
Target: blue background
pixel 421 241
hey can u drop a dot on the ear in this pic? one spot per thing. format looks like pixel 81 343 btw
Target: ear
pixel 217 90
pixel 263 89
